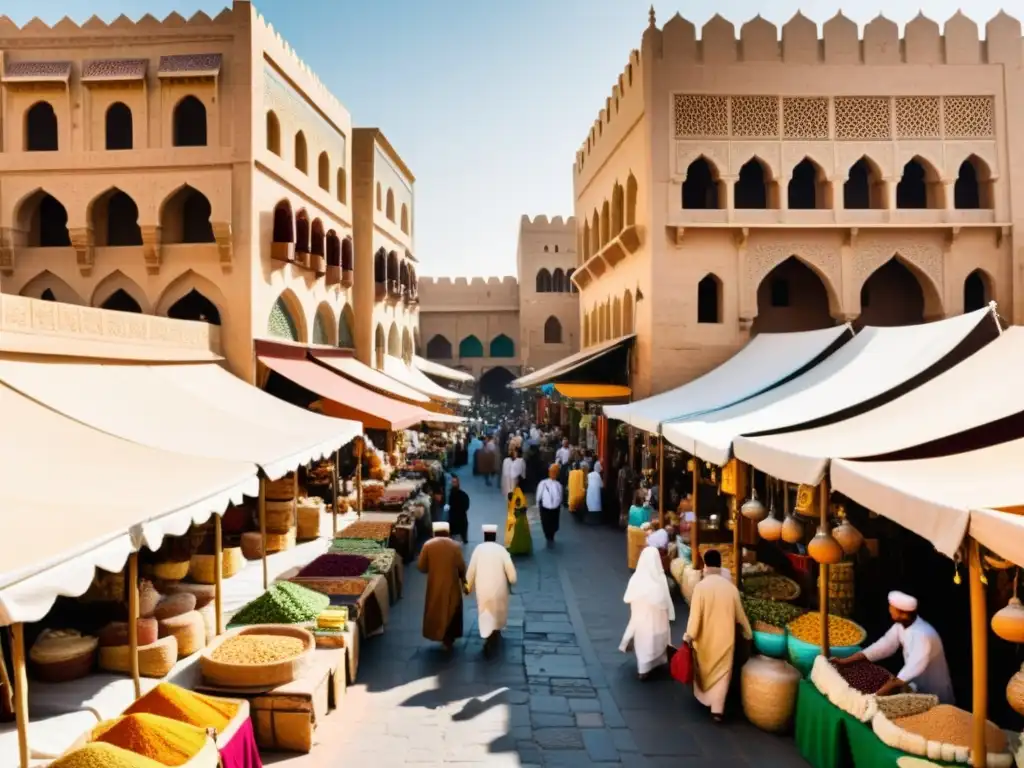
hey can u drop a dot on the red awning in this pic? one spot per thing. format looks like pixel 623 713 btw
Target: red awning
pixel 374 410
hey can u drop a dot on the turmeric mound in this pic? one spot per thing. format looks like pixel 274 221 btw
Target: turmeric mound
pixel 159 738
pixel 101 755
pixel 172 701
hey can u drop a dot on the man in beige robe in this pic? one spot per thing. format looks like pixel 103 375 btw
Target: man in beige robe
pixel 441 559
pixel 715 610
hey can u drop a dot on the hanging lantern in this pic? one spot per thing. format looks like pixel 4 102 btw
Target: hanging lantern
pixel 824 549
pixel 753 509
pixel 849 538
pixel 1008 622
pixel 770 529
pixel 792 530
pixel 1015 691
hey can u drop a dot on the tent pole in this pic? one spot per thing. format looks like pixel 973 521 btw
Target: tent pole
pixel 263 526
pixel 823 569
pixel 359 486
pixel 334 489
pixel 133 620
pixel 20 691
pixel 695 558
pixel 979 660
pixel 218 573
pixel 661 480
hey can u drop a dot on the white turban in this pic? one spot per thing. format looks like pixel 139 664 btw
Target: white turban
pixel 903 602
pixel 489 528
pixel 441 527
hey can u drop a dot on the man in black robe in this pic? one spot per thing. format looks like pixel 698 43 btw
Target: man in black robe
pixel 458 511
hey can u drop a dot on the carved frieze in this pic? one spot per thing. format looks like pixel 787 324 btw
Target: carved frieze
pixel 870 254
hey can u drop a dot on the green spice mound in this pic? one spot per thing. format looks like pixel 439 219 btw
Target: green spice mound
pixel 770 612
pixel 283 603
pixel 367 547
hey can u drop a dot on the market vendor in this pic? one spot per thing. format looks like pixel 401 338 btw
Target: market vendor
pixel 924 660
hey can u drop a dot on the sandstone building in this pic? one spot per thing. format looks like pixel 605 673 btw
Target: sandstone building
pixel 196 168
pixel 498 328
pixel 781 180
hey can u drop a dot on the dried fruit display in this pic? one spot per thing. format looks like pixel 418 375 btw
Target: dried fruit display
pixel 842 632
pixel 353 587
pixel 334 565
pixel 364 529
pixel 864 676
pixel 257 649
pixel 771 587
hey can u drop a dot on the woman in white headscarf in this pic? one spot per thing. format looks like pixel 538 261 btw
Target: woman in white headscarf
pixel 651 610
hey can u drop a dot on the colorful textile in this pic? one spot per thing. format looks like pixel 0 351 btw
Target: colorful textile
pixel 241 750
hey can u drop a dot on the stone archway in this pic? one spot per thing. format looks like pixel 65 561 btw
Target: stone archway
pixel 494 383
pixel 821 260
pixel 892 295
pixel 923 259
pixel 792 297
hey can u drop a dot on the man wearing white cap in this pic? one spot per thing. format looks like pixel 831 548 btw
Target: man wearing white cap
pixel 924 660
pixel 441 559
pixel 490 573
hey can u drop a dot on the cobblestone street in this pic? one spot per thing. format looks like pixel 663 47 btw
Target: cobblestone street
pixel 559 693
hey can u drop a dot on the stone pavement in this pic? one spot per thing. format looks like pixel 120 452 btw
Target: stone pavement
pixel 559 693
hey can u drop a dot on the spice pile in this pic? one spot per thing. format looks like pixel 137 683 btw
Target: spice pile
pixel 170 701
pixel 158 738
pixel 283 603
pixel 842 632
pixel 357 547
pixel 768 629
pixel 769 612
pixel 947 724
pixel 257 649
pixel 770 587
pixel 863 676
pixel 372 494
pixel 364 529
pixel 101 755
pixel 336 566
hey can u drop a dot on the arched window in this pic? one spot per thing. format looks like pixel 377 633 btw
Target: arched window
pixel 280 323
pixel 973 187
pixel 324 172
pixel 194 306
pixel 439 348
pixel 346 255
pixel 118 126
pixel 342 184
pixel 586 330
pixel 333 249
pixel 631 195
pixel 543 281
pixel 545 249
pixel 47 295
pixel 46 220
pixel 556 247
pixel 808 188
pixel 919 186
pixel 185 218
pixel 627 313
pixel 390 212
pixel 301 152
pixel 379 344
pixel 121 301
pixel 345 323
pixel 273 133
pixel 392 266
pixel 502 346
pixel 405 219
pixel 976 291
pixel 752 187
pixel 471 347
pixel 618 212
pixel 864 188
pixel 301 232
pixel 41 133
pixel 394 341
pixel 709 300
pixel 316 244
pixel 552 331
pixel 320 334
pixel 606 224
pixel 380 266
pixel 700 188
pixel 190 123
pixel 558 281
pixel 570 283
pixel 586 240
pixel 380 203
pixel 284 226
pixel 116 220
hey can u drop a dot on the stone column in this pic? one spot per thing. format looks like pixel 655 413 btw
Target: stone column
pixel 225 243
pixel 152 248
pixel 83 242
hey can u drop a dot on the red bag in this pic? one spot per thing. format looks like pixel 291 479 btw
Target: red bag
pixel 682 664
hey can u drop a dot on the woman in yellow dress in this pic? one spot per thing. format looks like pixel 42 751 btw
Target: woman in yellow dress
pixel 518 540
pixel 577 488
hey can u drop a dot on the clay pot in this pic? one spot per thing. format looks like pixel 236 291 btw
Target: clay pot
pixel 792 530
pixel 849 538
pixel 1015 692
pixel 824 549
pixel 753 509
pixel 770 529
pixel 1008 622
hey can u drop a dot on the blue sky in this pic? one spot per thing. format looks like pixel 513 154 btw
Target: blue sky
pixel 487 100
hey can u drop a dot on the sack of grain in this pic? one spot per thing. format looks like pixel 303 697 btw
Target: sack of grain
pixel 189 629
pixel 155 660
pixel 116 633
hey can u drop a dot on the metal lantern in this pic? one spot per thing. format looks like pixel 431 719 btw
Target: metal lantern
pixel 753 509
pixel 849 538
pixel 792 530
pixel 824 549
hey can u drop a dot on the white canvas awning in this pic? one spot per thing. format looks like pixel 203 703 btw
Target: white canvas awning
pixel 875 362
pixel 1002 531
pixel 551 373
pixel 982 389
pixel 74 498
pixel 142 404
pixel 934 497
pixel 371 377
pixel 396 368
pixel 431 368
pixel 766 360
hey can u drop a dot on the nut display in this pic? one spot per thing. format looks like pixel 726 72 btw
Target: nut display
pixel 841 632
pixel 950 725
pixel 771 629
pixel 864 676
pixel 257 649
pixel 336 565
pixel 769 612
pixel 771 587
pixel 364 529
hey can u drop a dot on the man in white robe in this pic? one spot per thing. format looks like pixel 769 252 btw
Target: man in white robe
pixel 513 470
pixel 490 575
pixel 715 610
pixel 924 660
pixel 650 611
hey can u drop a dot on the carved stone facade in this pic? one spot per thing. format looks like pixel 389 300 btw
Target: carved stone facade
pixel 717 198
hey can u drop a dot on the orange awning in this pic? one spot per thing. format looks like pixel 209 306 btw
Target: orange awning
pixel 594 391
pixel 344 398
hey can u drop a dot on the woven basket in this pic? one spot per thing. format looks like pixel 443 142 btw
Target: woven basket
pixel 1015 692
pixel 281 489
pixel 155 660
pixel 308 523
pixel 769 688
pixel 116 633
pixel 280 516
pixel 253 675
pixel 636 540
pixel 169 571
pixel 189 629
pixel 279 542
pixel 174 605
pixel 905 704
pixel 252 545
pixel 205 593
pixel 232 561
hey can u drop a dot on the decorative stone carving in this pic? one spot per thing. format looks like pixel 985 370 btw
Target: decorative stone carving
pixel 6 251
pixel 225 246
pixel 83 243
pixel 716 153
pixel 762 259
pixel 869 255
pixel 152 248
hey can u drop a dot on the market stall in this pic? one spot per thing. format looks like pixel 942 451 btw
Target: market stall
pixel 411 377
